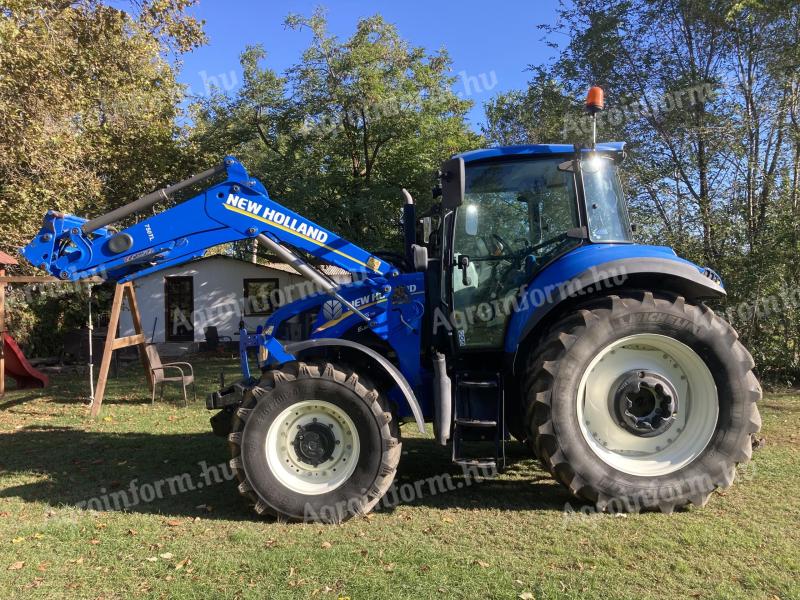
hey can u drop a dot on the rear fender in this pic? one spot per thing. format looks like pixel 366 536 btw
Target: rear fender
pixel 652 273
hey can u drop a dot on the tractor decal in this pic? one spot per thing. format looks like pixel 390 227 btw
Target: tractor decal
pixel 372 264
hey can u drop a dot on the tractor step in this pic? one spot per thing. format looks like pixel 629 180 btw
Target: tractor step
pixel 477 384
pixel 475 423
pixel 481 463
pixel 479 415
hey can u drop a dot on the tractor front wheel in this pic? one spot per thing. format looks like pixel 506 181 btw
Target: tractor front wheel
pixel 642 402
pixel 314 442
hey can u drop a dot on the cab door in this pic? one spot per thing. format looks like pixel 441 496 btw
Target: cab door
pixel 514 219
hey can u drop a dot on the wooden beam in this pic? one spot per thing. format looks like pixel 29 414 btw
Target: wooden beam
pixel 127 342
pixel 2 338
pixel 122 291
pixel 136 318
pixel 12 279
pixel 108 351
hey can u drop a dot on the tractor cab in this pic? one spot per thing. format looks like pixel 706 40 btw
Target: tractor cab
pixel 523 208
pixel 506 216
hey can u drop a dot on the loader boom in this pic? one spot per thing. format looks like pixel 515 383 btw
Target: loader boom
pixel 73 248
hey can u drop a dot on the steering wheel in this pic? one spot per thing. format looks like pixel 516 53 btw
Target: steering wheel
pixel 516 258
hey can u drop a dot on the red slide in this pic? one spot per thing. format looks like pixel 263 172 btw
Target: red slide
pixel 19 368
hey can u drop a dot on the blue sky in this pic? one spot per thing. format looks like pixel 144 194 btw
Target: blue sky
pixel 490 43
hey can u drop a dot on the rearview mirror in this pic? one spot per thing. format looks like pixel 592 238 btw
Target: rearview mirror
pixel 453 183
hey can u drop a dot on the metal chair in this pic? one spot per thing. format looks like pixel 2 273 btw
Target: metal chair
pixel 159 371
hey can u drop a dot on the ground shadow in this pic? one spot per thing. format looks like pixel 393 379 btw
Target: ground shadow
pixel 183 474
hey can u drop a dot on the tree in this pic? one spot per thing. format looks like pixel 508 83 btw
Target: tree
pixel 89 109
pixel 706 94
pixel 337 135
pixel 88 105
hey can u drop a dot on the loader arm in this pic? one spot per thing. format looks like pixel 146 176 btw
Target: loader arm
pixel 73 248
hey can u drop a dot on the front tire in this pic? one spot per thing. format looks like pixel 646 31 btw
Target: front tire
pixel 642 402
pixel 314 442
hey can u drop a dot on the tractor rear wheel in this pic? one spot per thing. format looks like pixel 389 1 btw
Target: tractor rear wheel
pixel 314 442
pixel 642 402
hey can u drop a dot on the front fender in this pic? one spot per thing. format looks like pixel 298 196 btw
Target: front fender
pixel 297 348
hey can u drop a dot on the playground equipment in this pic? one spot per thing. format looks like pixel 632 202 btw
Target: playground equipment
pixel 12 359
pixel 521 306
pixel 19 368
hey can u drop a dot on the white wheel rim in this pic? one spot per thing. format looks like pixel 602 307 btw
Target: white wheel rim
pixel 290 468
pixel 695 417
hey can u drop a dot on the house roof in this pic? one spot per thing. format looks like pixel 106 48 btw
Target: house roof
pixel 329 270
pixel 7 259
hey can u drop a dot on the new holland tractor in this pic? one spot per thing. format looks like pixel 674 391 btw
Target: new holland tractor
pixel 521 307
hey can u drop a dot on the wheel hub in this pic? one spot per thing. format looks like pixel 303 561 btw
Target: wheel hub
pixel 315 443
pixel 644 403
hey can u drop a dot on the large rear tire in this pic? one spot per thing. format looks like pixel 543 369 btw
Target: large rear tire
pixel 640 402
pixel 314 442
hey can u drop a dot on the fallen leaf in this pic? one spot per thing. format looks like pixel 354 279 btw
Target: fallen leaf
pixel 424 568
pixel 18 540
pixel 43 566
pixel 166 555
pixel 481 563
pixel 183 563
pixel 270 543
pixel 16 566
pixel 526 596
pixel 37 536
pixel 326 545
pixel 174 523
pixel 388 567
pixel 447 519
pixel 94 542
pixel 151 558
pixel 132 532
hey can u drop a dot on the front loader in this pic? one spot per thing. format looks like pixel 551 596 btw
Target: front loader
pixel 521 307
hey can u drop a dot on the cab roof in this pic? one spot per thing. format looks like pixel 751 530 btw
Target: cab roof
pixel 541 149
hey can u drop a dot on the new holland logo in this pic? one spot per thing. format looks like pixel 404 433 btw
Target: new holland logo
pixel 265 213
pixel 331 310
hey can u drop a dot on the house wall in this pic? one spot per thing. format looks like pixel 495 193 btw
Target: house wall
pixel 218 295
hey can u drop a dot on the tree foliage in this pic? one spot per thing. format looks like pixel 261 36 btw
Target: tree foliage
pixel 706 94
pixel 89 107
pixel 339 134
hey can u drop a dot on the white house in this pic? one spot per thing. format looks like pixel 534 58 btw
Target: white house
pixel 177 304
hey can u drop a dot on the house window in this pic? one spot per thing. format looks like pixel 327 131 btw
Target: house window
pixel 258 296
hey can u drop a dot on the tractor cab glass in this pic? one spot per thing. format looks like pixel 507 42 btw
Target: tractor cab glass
pixel 514 219
pixel 605 205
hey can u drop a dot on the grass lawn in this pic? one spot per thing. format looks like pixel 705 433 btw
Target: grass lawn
pixel 508 537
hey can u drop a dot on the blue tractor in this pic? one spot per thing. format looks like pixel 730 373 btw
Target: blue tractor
pixel 521 307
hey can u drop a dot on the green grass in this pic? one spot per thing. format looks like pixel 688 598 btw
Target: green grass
pixel 501 538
